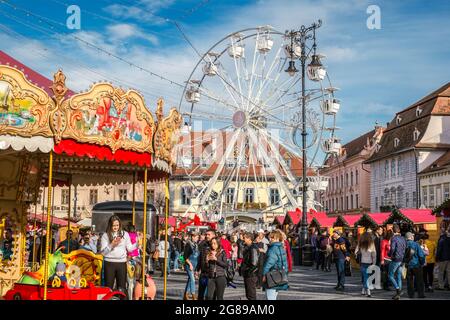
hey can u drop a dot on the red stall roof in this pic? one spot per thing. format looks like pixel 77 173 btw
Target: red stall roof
pixel 352 218
pixel 279 219
pixel 295 216
pixel 379 217
pixel 325 222
pixel 419 216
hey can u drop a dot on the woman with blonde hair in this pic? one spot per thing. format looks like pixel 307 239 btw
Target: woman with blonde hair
pixel 367 255
pixel 276 259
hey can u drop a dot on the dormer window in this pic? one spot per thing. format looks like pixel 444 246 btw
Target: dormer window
pixel 377 147
pixel 396 142
pixel 398 120
pixel 418 111
pixel 416 134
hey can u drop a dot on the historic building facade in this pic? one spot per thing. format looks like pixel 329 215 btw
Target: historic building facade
pixel 435 182
pixel 415 138
pixel 349 178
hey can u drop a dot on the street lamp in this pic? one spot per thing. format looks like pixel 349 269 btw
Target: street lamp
pixel 316 72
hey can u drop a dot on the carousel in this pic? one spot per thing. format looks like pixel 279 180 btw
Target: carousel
pixel 104 135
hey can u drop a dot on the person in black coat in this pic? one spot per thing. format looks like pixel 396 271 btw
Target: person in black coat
pixel 378 236
pixel 202 265
pixel 217 265
pixel 250 266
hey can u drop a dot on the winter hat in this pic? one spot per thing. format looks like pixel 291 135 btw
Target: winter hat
pixel 409 236
pixel 60 267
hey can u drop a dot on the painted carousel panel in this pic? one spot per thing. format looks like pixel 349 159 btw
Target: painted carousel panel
pixel 107 116
pixel 24 107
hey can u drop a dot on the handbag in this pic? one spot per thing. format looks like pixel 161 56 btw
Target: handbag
pixel 348 269
pixel 277 277
pixel 155 255
pixel 404 271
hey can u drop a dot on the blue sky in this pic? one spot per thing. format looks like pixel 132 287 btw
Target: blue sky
pixel 379 72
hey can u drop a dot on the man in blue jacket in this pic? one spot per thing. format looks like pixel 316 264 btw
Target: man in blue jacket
pixel 443 258
pixel 415 259
pixel 341 252
pixel 397 253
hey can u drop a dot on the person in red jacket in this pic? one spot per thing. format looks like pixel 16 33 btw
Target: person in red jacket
pixel 226 246
pixel 287 247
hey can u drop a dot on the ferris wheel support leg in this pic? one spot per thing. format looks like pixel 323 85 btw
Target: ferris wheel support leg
pixel 273 167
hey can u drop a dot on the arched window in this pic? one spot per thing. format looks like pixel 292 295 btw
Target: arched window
pixel 357 177
pixel 186 195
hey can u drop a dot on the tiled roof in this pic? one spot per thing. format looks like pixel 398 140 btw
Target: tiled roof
pixel 433 104
pixel 441 162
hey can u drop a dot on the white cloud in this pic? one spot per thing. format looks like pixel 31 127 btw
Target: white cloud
pixel 126 31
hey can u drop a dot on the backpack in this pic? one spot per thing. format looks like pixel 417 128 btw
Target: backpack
pixel 409 254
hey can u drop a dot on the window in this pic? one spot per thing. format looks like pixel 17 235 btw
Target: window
pixel 65 196
pixel 438 195
pixel 342 203
pixel 382 201
pixel 346 203
pixel 405 164
pixel 229 197
pixel 396 142
pixel 418 111
pixel 342 181
pixel 351 178
pixel 351 202
pixel 398 120
pixel 392 168
pixel 249 195
pixel 414 199
pixel 346 179
pixel 407 200
pixel 288 163
pixel 416 134
pixel 93 196
pixel 399 166
pixel 186 196
pixel 386 169
pixel 431 197
pixel 357 201
pixel 274 196
pixel 446 191
pixel 332 204
pixel 376 203
pixel 357 177
pixel 122 194
pixel 425 196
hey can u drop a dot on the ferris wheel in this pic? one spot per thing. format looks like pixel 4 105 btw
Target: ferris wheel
pixel 241 105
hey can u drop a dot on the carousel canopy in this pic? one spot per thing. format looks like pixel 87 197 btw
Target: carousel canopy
pixel 102 135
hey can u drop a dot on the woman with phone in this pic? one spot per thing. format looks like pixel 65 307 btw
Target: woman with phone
pixel 217 266
pixel 115 246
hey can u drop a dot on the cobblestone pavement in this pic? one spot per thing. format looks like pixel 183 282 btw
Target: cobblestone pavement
pixel 306 283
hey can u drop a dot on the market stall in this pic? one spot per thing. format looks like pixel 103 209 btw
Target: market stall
pixel 101 136
pixel 414 220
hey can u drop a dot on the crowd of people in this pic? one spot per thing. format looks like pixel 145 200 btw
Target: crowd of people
pixel 211 259
pixel 399 255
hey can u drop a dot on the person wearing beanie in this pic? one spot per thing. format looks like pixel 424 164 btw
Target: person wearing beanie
pixel 60 272
pixel 415 260
pixel 341 252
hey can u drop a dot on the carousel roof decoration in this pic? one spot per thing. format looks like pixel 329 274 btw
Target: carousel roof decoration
pixel 24 110
pixel 106 122
pixel 166 136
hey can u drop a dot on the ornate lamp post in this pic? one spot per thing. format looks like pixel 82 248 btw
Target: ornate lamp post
pixel 316 72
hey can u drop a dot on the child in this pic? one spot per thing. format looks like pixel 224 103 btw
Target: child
pixel 60 272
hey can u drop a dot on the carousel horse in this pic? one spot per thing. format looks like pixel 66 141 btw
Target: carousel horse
pixel 150 287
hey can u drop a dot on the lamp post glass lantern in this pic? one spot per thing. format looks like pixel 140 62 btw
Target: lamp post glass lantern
pixel 315 72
